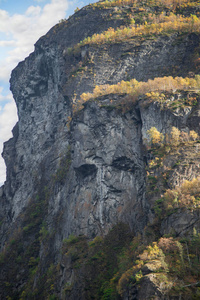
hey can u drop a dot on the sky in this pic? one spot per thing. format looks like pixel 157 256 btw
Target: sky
pixel 22 23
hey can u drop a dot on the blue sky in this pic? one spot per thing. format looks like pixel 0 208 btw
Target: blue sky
pixel 19 6
pixel 22 23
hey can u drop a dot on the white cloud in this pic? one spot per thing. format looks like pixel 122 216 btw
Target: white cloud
pixel 6 98
pixel 33 10
pixel 23 30
pixel 7 43
pixel 8 118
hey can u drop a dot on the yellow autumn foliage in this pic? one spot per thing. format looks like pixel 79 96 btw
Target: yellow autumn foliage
pixel 187 195
pixel 163 24
pixel 175 136
pixel 152 252
pixel 170 4
pixel 193 135
pixel 155 136
pixel 153 257
pixel 136 88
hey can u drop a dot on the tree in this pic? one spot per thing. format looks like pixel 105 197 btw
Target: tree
pixel 155 136
pixel 193 135
pixel 175 136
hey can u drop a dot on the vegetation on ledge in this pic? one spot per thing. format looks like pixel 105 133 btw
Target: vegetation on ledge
pixel 170 4
pixel 156 25
pixel 154 90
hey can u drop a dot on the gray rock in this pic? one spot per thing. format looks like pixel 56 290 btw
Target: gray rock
pixel 91 175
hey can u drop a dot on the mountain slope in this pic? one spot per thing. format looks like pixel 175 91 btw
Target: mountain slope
pixel 95 205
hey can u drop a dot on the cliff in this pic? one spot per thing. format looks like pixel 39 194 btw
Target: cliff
pixel 88 190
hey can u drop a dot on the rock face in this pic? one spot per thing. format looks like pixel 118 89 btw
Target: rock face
pixel 90 173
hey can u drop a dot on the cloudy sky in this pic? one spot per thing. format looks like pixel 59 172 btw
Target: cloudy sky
pixel 22 23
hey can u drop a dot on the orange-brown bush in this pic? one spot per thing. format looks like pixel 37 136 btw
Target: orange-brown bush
pixel 187 195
